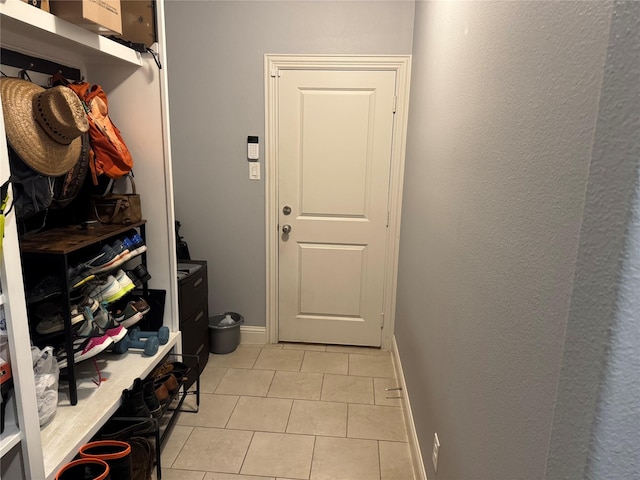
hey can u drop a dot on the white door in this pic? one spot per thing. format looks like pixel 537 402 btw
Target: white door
pixel 334 154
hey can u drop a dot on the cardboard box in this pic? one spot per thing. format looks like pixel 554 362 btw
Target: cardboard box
pixel 99 16
pixel 41 4
pixel 139 21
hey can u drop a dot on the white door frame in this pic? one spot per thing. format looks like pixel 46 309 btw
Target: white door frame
pixel 401 64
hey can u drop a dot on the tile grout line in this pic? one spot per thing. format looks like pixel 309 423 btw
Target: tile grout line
pixel 321 388
pixel 244 458
pixel 179 450
pixel 270 383
pixel 379 461
pixel 286 426
pixel 313 454
pixel 235 405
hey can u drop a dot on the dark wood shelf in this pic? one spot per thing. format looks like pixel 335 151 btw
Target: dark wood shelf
pixel 64 240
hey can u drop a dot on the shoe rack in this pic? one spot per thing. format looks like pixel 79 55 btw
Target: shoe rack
pixel 56 247
pixel 139 106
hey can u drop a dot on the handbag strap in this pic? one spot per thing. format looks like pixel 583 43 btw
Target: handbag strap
pixel 115 212
pixel 109 189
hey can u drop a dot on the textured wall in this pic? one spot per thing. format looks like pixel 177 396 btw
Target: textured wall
pixel 595 427
pixel 502 122
pixel 615 447
pixel 216 89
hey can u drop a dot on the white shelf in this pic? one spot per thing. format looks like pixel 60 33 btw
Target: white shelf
pixel 74 425
pixel 45 36
pixel 10 438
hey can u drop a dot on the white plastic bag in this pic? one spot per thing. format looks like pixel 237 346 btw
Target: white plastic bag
pixel 226 321
pixel 46 372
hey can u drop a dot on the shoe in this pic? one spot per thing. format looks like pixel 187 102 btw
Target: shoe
pixel 88 342
pixel 107 325
pixel 103 261
pixel 52 320
pixel 127 317
pixel 120 429
pixel 170 382
pixel 133 404
pixel 161 392
pixel 48 287
pixel 129 245
pixel 141 305
pixel 125 281
pixel 78 276
pixel 109 290
pixel 78 310
pixel 179 369
pixel 149 394
pixel 141 273
pixel 122 251
pixel 138 245
pixel 103 289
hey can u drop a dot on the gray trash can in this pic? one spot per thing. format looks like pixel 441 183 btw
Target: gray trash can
pixel 224 339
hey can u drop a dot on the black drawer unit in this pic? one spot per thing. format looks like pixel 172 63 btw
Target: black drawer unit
pixel 193 306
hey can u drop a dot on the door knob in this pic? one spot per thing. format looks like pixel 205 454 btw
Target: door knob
pixel 286 228
pixel 286 210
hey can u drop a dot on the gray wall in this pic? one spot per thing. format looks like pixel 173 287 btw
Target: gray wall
pixel 216 89
pixel 504 102
pixel 595 427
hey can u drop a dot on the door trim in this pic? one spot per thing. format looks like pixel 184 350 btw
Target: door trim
pixel 273 64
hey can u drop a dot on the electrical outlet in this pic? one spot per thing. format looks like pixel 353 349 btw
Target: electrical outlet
pixel 436 449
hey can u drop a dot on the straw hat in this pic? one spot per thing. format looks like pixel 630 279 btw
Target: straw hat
pixel 43 126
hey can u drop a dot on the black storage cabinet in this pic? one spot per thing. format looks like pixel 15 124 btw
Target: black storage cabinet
pixel 193 305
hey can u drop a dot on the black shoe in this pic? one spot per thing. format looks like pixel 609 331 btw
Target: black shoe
pixel 139 275
pixel 124 429
pixel 150 398
pixel 133 404
pixel 48 287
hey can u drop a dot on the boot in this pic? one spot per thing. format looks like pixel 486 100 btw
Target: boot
pixel 124 429
pixel 117 454
pixel 144 456
pixel 150 398
pixel 85 469
pixel 133 404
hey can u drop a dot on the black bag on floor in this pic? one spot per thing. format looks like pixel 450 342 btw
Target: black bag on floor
pixel 182 249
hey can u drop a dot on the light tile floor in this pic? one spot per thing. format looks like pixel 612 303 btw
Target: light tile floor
pixel 292 411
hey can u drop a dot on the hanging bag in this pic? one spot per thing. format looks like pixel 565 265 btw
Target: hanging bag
pixel 110 156
pixel 117 208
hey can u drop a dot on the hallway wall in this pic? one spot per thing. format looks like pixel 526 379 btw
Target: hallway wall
pixel 215 59
pixel 504 102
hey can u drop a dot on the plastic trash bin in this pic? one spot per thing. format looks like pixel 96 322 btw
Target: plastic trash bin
pixel 225 338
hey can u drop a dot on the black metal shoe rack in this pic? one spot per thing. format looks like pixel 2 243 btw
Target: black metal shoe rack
pixel 55 246
pixel 172 407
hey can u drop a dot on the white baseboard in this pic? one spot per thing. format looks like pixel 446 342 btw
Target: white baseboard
pixel 250 335
pixel 414 446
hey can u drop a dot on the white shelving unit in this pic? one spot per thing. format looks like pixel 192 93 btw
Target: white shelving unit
pixel 78 423
pixel 20 21
pixel 138 106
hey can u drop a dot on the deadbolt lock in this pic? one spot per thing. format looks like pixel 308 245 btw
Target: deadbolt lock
pixel 286 210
